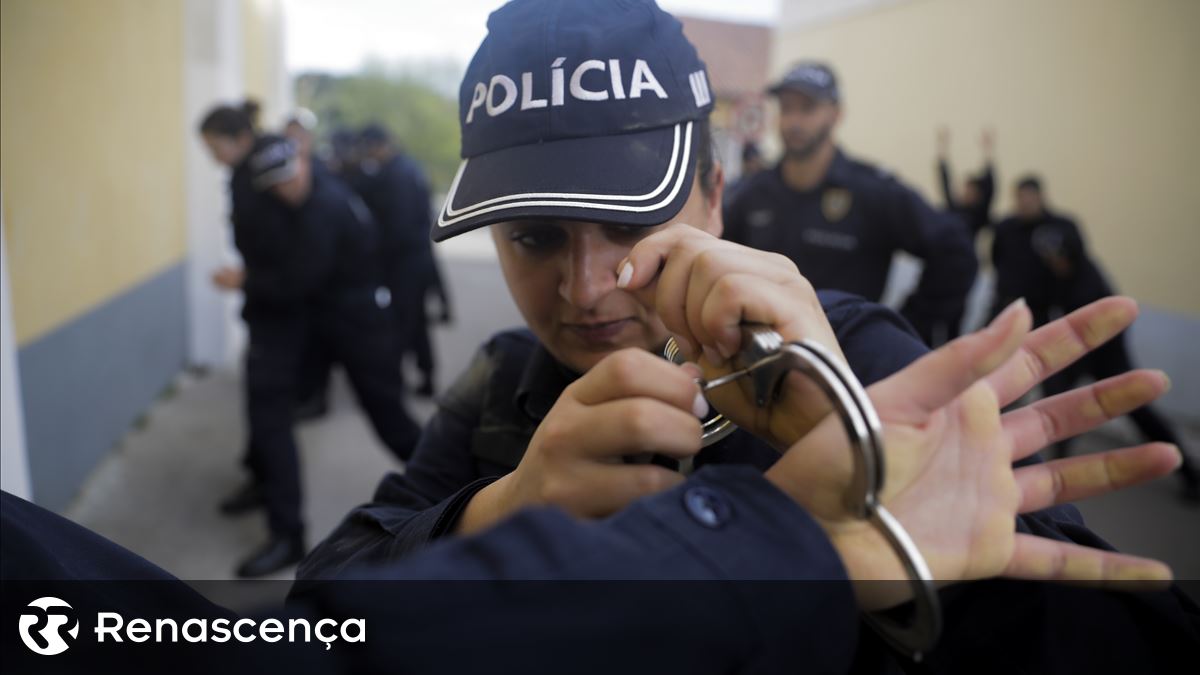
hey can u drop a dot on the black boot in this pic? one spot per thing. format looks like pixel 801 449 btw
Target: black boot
pixel 246 499
pixel 279 552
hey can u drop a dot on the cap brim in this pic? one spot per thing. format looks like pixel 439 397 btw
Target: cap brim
pixel 642 178
pixel 806 89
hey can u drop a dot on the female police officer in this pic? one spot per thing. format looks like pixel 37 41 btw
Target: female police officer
pixel 311 272
pixel 586 152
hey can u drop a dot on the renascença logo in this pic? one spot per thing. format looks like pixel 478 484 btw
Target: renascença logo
pixel 42 630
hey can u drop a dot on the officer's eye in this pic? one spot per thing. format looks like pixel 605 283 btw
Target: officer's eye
pixel 538 238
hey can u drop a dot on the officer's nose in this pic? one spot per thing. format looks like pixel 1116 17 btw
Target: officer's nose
pixel 588 274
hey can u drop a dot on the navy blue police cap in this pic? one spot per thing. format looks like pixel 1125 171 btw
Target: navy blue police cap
pixel 813 78
pixel 577 110
pixel 272 161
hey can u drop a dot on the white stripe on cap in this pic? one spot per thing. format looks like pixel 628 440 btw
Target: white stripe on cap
pixel 676 168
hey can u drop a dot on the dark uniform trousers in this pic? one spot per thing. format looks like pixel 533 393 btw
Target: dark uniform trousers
pixel 273 366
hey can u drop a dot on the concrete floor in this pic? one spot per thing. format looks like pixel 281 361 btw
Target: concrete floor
pixel 157 493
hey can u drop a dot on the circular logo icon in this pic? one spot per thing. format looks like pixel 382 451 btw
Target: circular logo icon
pixel 43 626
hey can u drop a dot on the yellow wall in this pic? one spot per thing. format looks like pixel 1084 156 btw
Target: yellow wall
pixel 262 49
pixel 92 163
pixel 1101 97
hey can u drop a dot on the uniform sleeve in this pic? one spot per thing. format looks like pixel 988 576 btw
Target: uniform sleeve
pixel 988 185
pixel 409 510
pixel 754 586
pixel 877 341
pixel 942 241
pixel 944 179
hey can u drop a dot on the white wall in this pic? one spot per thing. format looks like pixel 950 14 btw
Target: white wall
pixel 212 74
pixel 14 464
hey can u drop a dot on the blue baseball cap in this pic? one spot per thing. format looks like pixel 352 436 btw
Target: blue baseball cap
pixel 812 78
pixel 577 110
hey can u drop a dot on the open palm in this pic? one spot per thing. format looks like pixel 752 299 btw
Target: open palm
pixel 950 478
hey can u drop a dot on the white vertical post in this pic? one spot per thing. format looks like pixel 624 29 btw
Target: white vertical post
pixel 14 463
pixel 212 75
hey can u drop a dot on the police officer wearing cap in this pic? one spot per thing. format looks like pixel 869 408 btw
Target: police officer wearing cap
pixel 311 272
pixel 597 179
pixel 841 220
pixel 1040 255
pixel 396 190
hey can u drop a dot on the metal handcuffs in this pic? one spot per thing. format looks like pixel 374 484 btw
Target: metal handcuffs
pixel 767 360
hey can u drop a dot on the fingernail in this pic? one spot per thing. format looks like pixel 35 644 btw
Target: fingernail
pixel 625 275
pixel 712 355
pixel 1003 316
pixel 1178 456
pixel 726 353
pixel 700 406
pixel 1166 380
pixel 692 370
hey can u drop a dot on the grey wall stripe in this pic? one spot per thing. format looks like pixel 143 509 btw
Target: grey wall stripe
pixel 86 382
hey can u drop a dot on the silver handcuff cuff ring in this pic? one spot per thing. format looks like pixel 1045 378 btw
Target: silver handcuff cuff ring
pixel 767 360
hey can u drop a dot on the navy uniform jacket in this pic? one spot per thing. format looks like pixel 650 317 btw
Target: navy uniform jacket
pixel 486 420
pixel 842 235
pixel 321 256
pixel 398 195
pixel 1019 254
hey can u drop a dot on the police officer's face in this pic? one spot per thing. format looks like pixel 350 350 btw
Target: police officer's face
pixel 563 277
pixel 1029 203
pixel 228 150
pixel 805 123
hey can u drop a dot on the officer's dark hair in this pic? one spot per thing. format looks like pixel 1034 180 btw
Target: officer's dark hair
pixel 1030 183
pixel 706 158
pixel 231 121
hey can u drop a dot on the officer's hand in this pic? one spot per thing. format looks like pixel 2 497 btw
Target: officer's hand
pixel 630 403
pixel 950 479
pixel 704 289
pixel 229 278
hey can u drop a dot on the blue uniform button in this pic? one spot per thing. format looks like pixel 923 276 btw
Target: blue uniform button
pixel 707 506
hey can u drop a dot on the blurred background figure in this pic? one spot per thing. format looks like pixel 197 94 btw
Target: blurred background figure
pixel 312 272
pixel 752 163
pixel 841 220
pixel 972 201
pixel 312 398
pixel 397 192
pixel 1040 255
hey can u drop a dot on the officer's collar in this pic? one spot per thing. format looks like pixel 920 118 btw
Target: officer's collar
pixel 542 382
pixel 837 175
pixel 839 169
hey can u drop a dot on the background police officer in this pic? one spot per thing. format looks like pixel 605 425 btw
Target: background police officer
pixel 311 272
pixel 841 220
pixel 972 202
pixel 397 192
pixel 1040 255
